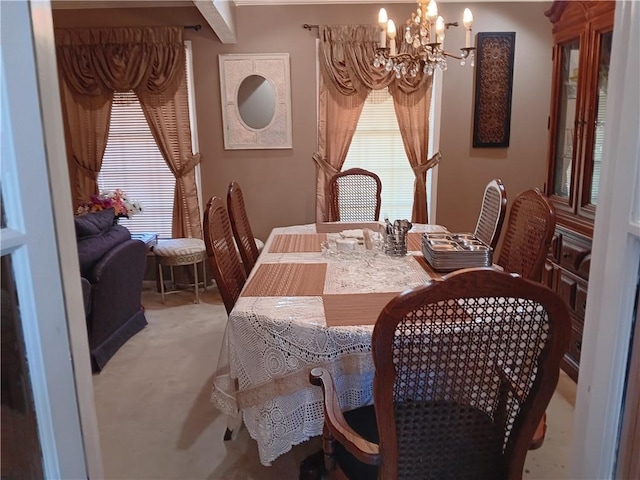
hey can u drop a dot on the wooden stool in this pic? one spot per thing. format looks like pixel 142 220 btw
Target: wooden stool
pixel 181 251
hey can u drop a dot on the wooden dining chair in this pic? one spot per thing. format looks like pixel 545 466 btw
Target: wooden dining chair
pixel 222 253
pixel 529 233
pixel 249 247
pixel 464 369
pixel 530 227
pixel 492 212
pixel 354 196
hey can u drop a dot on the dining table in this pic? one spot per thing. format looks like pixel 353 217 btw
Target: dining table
pixel 308 303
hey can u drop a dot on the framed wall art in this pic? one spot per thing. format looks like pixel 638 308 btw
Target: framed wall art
pixel 494 82
pixel 256 101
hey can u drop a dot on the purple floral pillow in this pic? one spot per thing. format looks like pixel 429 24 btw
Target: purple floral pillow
pixel 94 223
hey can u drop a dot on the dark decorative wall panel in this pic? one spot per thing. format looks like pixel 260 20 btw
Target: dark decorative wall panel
pixel 494 80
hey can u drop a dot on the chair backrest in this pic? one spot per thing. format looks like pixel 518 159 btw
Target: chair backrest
pixel 354 196
pixel 222 253
pixel 494 207
pixel 532 220
pixel 241 228
pixel 464 369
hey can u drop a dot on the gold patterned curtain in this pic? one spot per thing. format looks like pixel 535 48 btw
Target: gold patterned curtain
pixel 346 55
pixel 96 62
pixel 412 112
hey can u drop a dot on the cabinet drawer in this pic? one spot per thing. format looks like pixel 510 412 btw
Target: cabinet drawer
pixel 575 345
pixel 573 291
pixel 581 299
pixel 549 275
pixel 567 288
pixel 571 255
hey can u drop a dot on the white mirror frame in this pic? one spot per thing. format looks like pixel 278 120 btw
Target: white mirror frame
pixel 234 68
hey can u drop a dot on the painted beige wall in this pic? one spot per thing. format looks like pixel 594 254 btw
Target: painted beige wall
pixel 279 185
pixel 465 171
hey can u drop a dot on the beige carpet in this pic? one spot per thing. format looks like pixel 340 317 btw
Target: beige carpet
pixel 156 421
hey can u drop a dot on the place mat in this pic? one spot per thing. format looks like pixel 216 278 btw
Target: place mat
pixel 427 268
pixel 297 242
pixel 286 280
pixel 354 309
pixel 414 241
pixel 337 227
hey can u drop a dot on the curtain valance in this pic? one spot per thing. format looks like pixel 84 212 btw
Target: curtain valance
pixel 99 60
pixel 346 62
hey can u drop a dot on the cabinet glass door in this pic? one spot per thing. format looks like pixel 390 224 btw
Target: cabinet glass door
pixel 600 114
pixel 566 116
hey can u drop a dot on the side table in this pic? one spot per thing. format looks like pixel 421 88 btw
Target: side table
pixel 149 239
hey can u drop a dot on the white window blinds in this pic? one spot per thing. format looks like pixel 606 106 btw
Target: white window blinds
pixel 377 146
pixel 598 143
pixel 133 163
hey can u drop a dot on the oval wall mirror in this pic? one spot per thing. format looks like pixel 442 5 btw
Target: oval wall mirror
pixel 255 94
pixel 256 101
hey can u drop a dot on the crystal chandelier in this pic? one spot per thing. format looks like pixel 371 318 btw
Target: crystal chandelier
pixel 422 43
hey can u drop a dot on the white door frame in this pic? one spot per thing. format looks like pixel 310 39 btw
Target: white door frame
pixel 40 238
pixel 613 278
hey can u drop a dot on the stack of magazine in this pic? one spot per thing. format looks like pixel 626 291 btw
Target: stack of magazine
pixel 446 252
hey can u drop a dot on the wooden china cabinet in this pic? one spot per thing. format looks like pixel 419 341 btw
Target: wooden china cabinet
pixel 582 34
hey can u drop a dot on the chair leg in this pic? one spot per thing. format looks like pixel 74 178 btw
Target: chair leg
pixel 328 447
pixel 538 436
pixel 161 282
pixel 234 424
pixel 195 282
pixel 204 276
pixel 312 468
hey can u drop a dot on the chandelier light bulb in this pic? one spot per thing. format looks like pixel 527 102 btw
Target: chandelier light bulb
pixel 383 18
pixel 432 11
pixel 391 31
pixel 382 21
pixel 467 18
pixel 440 30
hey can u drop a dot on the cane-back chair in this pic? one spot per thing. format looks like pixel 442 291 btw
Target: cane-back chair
pixel 464 369
pixel 222 253
pixel 249 247
pixel 354 196
pixel 530 227
pixel 494 207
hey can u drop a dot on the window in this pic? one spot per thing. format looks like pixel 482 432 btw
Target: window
pixel 133 162
pixel 377 146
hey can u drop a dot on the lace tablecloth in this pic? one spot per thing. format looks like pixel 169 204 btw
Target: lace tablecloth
pixel 272 342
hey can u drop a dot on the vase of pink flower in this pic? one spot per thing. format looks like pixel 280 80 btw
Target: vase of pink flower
pixel 116 199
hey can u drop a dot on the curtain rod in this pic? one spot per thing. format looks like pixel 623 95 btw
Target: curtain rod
pixel 309 27
pixel 193 27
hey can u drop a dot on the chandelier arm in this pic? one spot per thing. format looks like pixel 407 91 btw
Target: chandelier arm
pixel 464 53
pixel 449 54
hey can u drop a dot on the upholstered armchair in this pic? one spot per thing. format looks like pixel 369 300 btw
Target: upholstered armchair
pixel 112 268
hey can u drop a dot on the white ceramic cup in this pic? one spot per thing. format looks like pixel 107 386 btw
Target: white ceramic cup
pixel 346 244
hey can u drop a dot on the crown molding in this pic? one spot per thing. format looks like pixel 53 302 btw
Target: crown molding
pixel 92 4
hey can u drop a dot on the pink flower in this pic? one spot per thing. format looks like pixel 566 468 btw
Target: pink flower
pixel 116 199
